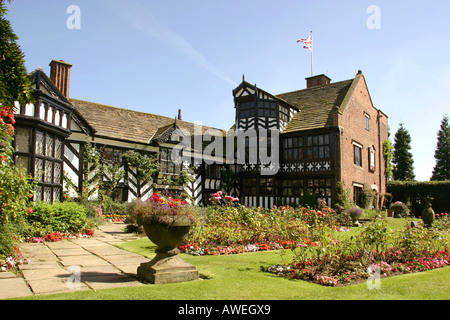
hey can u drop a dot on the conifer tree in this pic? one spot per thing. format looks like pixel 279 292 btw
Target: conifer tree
pixel 402 157
pixel 14 82
pixel 441 171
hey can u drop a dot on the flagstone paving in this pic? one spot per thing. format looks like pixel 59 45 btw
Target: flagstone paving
pixel 75 264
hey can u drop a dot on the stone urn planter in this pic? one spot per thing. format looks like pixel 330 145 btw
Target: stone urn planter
pixel 167 266
pixel 428 213
pixel 355 214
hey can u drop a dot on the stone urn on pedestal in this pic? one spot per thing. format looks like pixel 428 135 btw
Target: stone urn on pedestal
pixel 167 232
pixel 355 214
pixel 428 213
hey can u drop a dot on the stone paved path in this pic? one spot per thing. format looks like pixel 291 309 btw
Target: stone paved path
pixel 76 264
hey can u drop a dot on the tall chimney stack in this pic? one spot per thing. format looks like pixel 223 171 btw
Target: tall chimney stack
pixel 317 81
pixel 60 76
pixel 179 114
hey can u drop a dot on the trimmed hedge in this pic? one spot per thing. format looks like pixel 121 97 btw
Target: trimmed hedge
pixel 412 193
pixel 60 216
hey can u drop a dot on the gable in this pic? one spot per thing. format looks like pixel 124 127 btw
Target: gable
pixel 40 81
pixel 316 105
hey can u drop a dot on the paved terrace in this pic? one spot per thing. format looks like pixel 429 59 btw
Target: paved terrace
pixel 101 265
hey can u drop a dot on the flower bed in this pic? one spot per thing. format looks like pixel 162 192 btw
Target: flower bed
pixel 196 250
pixel 355 272
pixel 114 217
pixel 376 248
pixel 58 236
pixel 12 261
pixel 233 228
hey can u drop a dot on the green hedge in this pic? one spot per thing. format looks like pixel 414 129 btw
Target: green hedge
pixel 60 216
pixel 412 193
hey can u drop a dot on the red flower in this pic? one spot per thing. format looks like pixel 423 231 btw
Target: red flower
pixel 155 197
pixel 3 158
pixel 30 210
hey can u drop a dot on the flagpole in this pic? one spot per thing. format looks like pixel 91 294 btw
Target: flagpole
pixel 312 55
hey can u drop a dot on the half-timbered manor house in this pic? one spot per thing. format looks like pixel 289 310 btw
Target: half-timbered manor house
pixel 329 132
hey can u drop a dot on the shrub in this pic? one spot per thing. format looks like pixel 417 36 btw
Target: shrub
pixel 399 209
pixel 343 198
pixel 60 216
pixel 7 241
pixel 309 201
pixel 415 192
pixel 367 197
pixel 16 187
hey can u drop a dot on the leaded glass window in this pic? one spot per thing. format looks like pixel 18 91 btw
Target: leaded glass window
pixel 57 173
pixel 58 148
pixel 49 145
pixel 40 142
pixel 38 169
pixel 48 166
pixel 22 139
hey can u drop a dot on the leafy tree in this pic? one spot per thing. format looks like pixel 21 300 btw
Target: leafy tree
pixel 402 157
pixel 15 186
pixel 441 171
pixel 14 82
pixel 387 152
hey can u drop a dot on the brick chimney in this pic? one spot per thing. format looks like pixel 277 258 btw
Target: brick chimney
pixel 179 114
pixel 317 81
pixel 60 76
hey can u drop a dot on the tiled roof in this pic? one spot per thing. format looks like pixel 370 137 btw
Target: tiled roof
pixel 316 105
pixel 124 124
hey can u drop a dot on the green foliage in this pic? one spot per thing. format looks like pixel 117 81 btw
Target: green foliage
pixel 387 152
pixel 60 216
pixel 415 192
pixel 16 187
pixel 392 251
pixel 14 82
pixel 228 179
pixel 7 239
pixel 402 157
pixel 309 201
pixel 344 200
pixel 367 197
pixel 400 209
pixel 247 227
pixel 146 166
pixel 441 171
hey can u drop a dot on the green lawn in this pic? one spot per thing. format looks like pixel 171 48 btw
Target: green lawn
pixel 239 277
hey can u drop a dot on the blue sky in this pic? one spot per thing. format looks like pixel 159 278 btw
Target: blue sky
pixel 159 56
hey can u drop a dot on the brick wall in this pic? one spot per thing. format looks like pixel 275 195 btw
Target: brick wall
pixel 352 123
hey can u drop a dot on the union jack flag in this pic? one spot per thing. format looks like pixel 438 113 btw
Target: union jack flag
pixel 307 43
